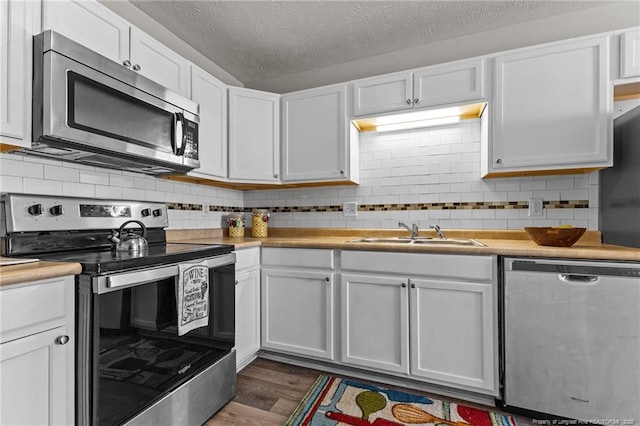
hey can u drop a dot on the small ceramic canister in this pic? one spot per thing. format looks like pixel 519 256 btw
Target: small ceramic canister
pixel 259 223
pixel 236 224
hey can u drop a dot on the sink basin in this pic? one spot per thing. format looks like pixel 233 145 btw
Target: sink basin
pixel 421 240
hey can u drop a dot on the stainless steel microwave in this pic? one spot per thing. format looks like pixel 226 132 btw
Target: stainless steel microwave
pixel 91 110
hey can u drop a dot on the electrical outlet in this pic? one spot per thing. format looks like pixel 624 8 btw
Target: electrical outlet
pixel 350 209
pixel 535 207
pixel 206 209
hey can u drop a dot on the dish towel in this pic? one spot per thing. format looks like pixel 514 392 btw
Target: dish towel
pixel 192 297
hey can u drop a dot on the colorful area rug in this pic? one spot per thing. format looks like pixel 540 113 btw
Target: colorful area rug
pixel 334 401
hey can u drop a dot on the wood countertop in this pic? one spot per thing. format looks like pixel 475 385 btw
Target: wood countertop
pixel 35 271
pixel 502 243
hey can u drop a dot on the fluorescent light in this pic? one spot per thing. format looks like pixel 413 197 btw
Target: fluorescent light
pixel 418 123
pixel 417 116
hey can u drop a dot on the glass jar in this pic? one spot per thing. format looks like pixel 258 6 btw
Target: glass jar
pixel 259 221
pixel 236 224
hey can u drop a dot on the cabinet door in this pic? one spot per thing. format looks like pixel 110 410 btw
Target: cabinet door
pixel 386 93
pixel 211 95
pixel 630 54
pixel 36 385
pixel 17 27
pixel 314 138
pixel 254 136
pixel 247 317
pixel 157 62
pixel 374 316
pixel 449 83
pixel 453 331
pixel 552 108
pixel 89 23
pixel 297 315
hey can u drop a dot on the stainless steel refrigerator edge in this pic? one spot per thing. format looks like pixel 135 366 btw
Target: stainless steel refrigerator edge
pixel 620 184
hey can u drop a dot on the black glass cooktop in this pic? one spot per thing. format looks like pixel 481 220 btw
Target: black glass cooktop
pixel 97 262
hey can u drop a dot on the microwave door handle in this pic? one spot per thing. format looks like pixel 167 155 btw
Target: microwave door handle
pixel 179 145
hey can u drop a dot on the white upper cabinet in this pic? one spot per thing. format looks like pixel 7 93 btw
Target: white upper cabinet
pixel 386 93
pixel 254 136
pixel 89 23
pixel 157 62
pixel 448 83
pixel 552 109
pixel 443 84
pixel 211 95
pixel 19 20
pixel 630 53
pixel 315 136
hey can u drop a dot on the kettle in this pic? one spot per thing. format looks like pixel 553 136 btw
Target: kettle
pixel 129 241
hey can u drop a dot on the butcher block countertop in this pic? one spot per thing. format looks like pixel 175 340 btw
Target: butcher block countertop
pixel 503 243
pixel 35 271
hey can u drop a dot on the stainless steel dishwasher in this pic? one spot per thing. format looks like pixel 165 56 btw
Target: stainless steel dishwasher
pixel 571 340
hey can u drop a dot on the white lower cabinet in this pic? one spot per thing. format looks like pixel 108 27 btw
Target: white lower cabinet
pixel 452 332
pixel 247 306
pixel 375 322
pixel 430 317
pixel 297 291
pixel 37 353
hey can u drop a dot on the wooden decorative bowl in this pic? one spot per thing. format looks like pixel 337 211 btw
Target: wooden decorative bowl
pixel 556 237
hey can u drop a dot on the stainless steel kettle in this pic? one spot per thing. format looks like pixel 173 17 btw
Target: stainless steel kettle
pixel 127 240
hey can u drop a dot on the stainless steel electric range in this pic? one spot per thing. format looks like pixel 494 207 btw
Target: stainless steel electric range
pixel 155 321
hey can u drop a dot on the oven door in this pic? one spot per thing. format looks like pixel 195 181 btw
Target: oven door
pixel 130 353
pixel 87 110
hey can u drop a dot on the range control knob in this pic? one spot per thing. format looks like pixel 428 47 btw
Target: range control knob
pixel 157 212
pixel 56 210
pixel 35 209
pixel 145 212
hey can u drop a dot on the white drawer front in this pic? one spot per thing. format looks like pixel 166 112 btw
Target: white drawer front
pixel 298 258
pixel 35 308
pixel 247 258
pixel 412 264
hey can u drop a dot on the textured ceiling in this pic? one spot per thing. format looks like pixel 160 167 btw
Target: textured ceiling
pixel 258 40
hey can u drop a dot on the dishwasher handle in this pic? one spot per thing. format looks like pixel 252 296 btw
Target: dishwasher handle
pixel 578 279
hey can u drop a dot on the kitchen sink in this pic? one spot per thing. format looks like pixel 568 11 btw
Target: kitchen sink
pixel 422 241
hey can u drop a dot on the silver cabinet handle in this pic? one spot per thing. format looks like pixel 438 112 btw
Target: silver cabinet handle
pixel 236 282
pixel 276 176
pixel 327 279
pixel 416 100
pixel 62 340
pixel 341 172
pixel 408 101
pixel 136 67
pixel 126 63
pixel 413 285
pixel 403 285
pixel 498 160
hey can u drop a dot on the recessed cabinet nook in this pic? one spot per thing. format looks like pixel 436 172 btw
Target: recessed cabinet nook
pixel 548 107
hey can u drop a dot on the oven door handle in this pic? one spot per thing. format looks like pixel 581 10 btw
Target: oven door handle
pixel 131 279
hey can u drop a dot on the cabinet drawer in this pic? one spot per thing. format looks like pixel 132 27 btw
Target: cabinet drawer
pixel 33 308
pixel 247 258
pixel 298 258
pixel 411 264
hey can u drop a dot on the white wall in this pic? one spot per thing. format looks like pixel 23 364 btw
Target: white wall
pixel 427 166
pixel 32 175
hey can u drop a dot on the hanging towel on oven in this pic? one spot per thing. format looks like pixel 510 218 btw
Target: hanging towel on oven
pixel 192 297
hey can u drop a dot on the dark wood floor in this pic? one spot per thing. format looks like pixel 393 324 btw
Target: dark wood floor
pixel 269 391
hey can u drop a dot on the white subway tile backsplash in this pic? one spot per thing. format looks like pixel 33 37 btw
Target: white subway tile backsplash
pixel 75 189
pixel 98 178
pixel 61 173
pixel 11 184
pixel 41 186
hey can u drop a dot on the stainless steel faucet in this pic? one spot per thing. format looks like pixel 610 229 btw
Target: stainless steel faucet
pixel 438 231
pixel 413 229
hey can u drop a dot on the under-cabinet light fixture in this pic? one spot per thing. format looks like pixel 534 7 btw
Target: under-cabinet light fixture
pixel 406 125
